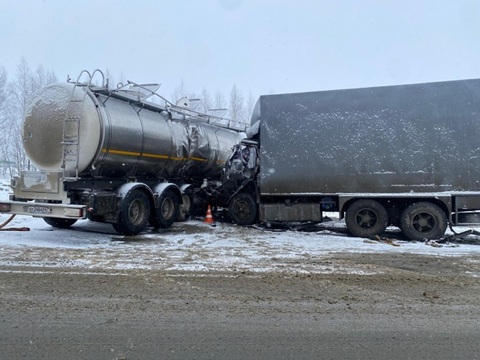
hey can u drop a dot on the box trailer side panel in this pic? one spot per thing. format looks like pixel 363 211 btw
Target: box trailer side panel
pixel 394 139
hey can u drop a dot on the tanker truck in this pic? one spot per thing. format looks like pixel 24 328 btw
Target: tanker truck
pixel 112 156
pixel 405 156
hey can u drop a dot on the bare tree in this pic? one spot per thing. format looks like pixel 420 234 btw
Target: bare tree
pixel 179 92
pixel 3 120
pixel 236 109
pixel 23 88
pixel 206 101
pixel 219 101
pixel 21 92
pixel 250 107
pixel 3 95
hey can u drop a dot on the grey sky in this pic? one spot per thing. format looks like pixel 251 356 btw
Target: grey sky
pixel 262 46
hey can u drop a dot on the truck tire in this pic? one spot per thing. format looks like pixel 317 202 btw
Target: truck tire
pixel 59 222
pixel 366 218
pixel 167 211
pixel 243 209
pixel 184 210
pixel 423 221
pixel 134 213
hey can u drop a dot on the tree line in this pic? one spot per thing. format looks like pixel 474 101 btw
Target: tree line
pixel 15 97
pixel 17 94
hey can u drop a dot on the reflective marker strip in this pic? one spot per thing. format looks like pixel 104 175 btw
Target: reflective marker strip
pixel 155 156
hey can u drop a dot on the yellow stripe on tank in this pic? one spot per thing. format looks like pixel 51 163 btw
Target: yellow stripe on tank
pixel 155 156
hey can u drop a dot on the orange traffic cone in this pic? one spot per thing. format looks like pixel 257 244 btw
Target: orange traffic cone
pixel 209 217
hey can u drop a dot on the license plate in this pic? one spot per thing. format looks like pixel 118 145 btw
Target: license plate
pixel 38 210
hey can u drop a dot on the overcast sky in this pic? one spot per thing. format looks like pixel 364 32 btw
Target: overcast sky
pixel 262 46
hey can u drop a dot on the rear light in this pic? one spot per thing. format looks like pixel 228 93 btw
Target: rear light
pixel 73 212
pixel 4 207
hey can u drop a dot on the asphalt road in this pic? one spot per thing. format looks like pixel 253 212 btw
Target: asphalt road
pixel 414 313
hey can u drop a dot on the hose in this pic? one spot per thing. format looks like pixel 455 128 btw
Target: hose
pixel 12 229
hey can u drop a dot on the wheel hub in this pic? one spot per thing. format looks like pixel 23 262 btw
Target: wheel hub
pixel 366 219
pixel 423 222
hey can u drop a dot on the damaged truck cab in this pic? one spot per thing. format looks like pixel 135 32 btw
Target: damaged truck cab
pixel 239 183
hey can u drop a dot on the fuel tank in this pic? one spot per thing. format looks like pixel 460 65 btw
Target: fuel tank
pixel 98 133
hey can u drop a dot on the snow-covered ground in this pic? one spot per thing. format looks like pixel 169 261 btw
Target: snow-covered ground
pixel 196 246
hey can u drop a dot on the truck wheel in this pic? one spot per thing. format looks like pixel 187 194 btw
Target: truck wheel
pixel 167 211
pixel 243 209
pixel 366 218
pixel 134 213
pixel 59 222
pixel 423 220
pixel 184 210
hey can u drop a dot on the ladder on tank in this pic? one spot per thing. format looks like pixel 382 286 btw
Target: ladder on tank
pixel 71 126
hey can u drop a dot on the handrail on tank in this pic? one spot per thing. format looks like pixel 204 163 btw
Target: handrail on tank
pixel 233 125
pixel 104 82
pixel 80 75
pixel 90 77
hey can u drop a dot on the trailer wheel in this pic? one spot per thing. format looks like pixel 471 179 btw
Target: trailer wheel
pixel 243 209
pixel 59 222
pixel 423 220
pixel 134 213
pixel 167 211
pixel 184 210
pixel 366 218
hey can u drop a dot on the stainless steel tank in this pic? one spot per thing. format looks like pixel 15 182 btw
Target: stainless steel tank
pixel 100 133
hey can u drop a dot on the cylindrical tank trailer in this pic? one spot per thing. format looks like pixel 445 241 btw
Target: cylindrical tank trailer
pixel 76 130
pixel 112 156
